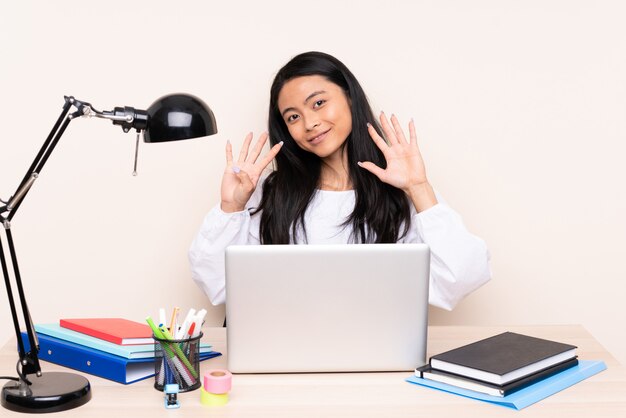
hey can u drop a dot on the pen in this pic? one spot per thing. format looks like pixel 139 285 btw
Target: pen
pixel 173 321
pixel 186 323
pixel 183 371
pixel 191 328
pixel 158 333
pixel 170 370
pixel 198 321
pixel 162 318
pixel 161 375
pixel 155 330
pixel 192 344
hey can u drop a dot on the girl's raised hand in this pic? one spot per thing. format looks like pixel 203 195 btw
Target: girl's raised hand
pixel 240 178
pixel 405 166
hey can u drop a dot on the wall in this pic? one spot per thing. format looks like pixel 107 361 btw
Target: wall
pixel 519 106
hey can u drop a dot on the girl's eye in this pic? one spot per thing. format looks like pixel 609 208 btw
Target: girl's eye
pixel 319 103
pixel 292 118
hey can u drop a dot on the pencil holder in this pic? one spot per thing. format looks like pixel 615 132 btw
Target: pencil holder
pixel 178 362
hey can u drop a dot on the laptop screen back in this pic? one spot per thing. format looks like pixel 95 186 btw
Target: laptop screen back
pixel 326 308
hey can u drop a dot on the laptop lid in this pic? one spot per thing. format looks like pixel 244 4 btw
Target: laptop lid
pixel 326 308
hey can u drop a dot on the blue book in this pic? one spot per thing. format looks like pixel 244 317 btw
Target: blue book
pixel 96 362
pixel 530 394
pixel 127 351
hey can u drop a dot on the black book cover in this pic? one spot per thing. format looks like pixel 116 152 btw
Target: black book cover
pixel 501 354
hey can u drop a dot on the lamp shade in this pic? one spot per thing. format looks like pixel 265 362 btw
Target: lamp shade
pixel 179 116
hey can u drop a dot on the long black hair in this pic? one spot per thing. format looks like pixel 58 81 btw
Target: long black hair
pixel 381 212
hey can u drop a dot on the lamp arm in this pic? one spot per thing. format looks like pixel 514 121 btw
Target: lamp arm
pixel 127 117
pixel 21 192
pixel 40 160
pixel 28 361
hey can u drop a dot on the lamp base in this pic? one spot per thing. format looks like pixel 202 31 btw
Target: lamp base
pixel 51 392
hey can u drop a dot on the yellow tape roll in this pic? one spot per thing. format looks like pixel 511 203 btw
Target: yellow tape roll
pixel 212 399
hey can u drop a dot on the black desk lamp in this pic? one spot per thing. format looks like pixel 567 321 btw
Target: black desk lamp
pixel 170 118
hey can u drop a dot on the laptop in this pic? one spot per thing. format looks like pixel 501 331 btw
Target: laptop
pixel 326 308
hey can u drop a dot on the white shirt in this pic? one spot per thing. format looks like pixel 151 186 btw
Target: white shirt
pixel 459 260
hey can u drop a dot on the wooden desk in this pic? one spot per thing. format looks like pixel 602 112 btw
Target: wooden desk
pixel 379 395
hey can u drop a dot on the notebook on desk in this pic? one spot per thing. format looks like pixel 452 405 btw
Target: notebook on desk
pixel 326 308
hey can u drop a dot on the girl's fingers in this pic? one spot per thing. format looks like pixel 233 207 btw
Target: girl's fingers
pixel 229 153
pixel 258 147
pixel 246 182
pixel 378 140
pixel 372 168
pixel 270 155
pixel 398 130
pixel 389 133
pixel 244 148
pixel 412 133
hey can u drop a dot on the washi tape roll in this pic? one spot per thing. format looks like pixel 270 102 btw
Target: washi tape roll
pixel 213 399
pixel 218 381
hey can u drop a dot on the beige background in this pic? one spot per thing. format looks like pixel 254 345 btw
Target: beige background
pixel 520 107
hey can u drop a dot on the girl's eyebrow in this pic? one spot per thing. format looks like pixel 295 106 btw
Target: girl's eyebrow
pixel 315 93
pixel 309 97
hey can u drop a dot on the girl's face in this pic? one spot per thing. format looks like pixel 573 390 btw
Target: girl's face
pixel 317 114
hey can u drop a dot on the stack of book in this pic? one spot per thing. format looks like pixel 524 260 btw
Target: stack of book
pixel 500 365
pixel 508 369
pixel 113 348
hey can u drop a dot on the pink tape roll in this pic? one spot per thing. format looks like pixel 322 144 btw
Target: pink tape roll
pixel 218 381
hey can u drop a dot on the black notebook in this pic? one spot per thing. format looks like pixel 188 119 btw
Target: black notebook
pixel 503 358
pixel 427 372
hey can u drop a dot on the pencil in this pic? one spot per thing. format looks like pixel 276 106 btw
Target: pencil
pixel 173 321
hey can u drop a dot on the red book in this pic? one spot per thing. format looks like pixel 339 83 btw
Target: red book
pixel 116 330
